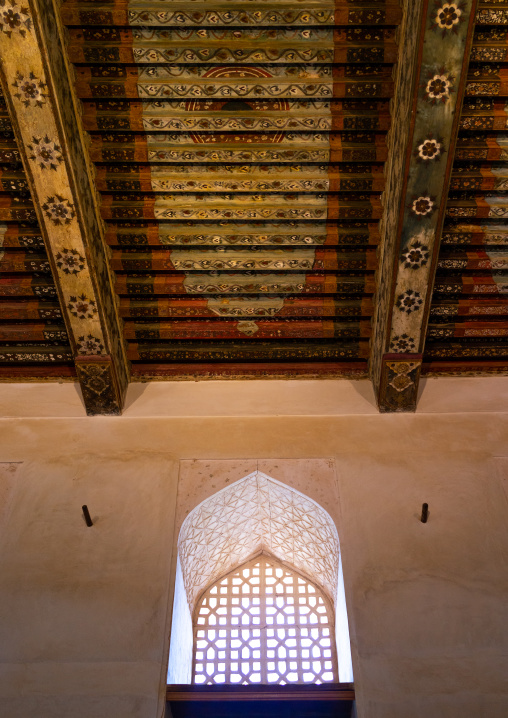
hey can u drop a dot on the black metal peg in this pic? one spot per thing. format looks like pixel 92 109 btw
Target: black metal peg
pixel 86 514
pixel 425 513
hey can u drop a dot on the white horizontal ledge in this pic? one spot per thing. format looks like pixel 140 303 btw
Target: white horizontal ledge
pixel 255 398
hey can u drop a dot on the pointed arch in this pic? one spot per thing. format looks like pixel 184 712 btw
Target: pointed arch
pixel 254 514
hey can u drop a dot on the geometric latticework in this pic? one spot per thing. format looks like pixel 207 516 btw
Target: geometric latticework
pixel 264 623
pixel 253 515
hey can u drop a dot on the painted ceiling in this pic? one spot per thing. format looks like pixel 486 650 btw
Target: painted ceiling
pixel 469 311
pixel 239 152
pixel 262 209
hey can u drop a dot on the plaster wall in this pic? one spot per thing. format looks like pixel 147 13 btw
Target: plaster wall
pixel 85 612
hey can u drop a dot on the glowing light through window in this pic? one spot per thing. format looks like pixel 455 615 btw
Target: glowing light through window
pixel 264 623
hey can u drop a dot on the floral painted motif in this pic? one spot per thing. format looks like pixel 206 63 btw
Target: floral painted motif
pixel 403 344
pixel 70 261
pixel 35 357
pixel 438 87
pixel 492 17
pixel 82 307
pixel 45 153
pixel 90 345
pixel 461 212
pixel 429 149
pixel 491 89
pixel 59 210
pixel 423 206
pixel 30 90
pixel 14 18
pixel 409 301
pixel 448 16
pixel 488 54
pixel 416 256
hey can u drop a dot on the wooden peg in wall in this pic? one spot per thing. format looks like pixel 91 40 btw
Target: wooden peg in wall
pixel 86 514
pixel 425 513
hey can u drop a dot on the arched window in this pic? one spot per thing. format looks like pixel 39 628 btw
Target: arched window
pixel 229 628
pixel 264 623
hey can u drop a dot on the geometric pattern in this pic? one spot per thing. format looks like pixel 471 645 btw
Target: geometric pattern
pixel 264 623
pixel 257 514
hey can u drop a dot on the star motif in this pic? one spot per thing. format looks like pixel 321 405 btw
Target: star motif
pixel 70 261
pixel 90 345
pixel 14 18
pixel 59 210
pixel 416 256
pixel 45 153
pixel 403 344
pixel 82 307
pixel 409 301
pixel 30 90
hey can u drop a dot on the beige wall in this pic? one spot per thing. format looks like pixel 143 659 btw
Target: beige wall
pixel 84 611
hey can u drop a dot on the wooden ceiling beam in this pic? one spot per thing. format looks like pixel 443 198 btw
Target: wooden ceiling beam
pixel 40 96
pixel 435 41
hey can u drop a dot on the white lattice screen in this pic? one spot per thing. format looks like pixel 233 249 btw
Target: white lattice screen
pixel 264 623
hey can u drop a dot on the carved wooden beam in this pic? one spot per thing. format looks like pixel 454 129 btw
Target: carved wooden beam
pixel 434 50
pixel 38 89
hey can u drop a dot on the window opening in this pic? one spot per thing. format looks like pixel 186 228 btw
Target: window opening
pixel 254 516
pixel 264 623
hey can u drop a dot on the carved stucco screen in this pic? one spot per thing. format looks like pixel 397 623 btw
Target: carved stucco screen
pixel 252 515
pixel 256 514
